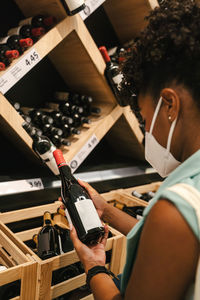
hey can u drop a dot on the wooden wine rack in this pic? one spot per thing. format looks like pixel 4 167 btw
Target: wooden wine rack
pixel 71 49
pixel 44 290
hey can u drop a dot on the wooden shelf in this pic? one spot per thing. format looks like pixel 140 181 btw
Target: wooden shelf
pixel 127 16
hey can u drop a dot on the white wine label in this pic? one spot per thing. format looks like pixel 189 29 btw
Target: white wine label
pixel 3 268
pixel 4 40
pixel 15 73
pixel 88 214
pixel 26 21
pixel 118 79
pixel 74 4
pixel 19 186
pixel 91 6
pixel 14 30
pixel 83 153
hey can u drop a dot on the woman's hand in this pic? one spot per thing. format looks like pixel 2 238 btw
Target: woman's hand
pixel 98 200
pixel 90 256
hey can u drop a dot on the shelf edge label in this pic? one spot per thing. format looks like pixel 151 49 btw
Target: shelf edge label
pixel 20 186
pixel 15 73
pixel 83 153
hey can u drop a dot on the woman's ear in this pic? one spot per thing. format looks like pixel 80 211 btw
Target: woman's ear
pixel 172 103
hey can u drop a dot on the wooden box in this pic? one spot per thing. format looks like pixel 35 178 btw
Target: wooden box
pixel 45 290
pixel 22 271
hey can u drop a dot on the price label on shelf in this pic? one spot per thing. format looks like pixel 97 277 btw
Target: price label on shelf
pixel 20 186
pixel 15 73
pixel 91 6
pixel 83 153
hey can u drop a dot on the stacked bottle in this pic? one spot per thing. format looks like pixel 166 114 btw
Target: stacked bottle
pixel 22 37
pixel 62 118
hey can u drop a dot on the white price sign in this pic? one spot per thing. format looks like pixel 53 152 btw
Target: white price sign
pixel 20 186
pixel 83 153
pixel 91 6
pixel 14 74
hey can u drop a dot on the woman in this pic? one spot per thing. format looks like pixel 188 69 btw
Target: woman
pixel 163 247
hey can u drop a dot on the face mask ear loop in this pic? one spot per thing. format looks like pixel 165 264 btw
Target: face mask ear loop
pixel 155 114
pixel 170 134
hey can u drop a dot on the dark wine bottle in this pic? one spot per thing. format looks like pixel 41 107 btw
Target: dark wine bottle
pixel 16 105
pixel 69 130
pixel 50 130
pixel 114 77
pixel 59 141
pixel 65 274
pixel 43 147
pixel 134 211
pixel 80 209
pixel 39 21
pixel 17 42
pixel 27 31
pixel 144 196
pixel 6 52
pixel 59 119
pixel 37 117
pixel 48 240
pixel 73 6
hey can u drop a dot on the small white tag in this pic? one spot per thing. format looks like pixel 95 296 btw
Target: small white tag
pixel 91 6
pixel 14 74
pixel 118 79
pixel 17 186
pixel 83 153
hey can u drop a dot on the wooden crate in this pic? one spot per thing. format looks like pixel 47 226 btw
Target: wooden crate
pixel 20 266
pixel 45 289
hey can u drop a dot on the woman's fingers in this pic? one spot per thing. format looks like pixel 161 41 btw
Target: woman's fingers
pixel 74 237
pixel 88 187
pixel 105 237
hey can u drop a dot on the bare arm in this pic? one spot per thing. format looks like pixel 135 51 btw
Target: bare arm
pixel 166 261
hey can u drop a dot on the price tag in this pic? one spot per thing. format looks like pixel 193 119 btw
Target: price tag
pixel 20 186
pixel 91 6
pixel 14 74
pixel 83 153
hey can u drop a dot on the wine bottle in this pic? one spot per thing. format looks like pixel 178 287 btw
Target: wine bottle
pixel 65 274
pixel 39 21
pixel 134 211
pixel 73 6
pixel 69 130
pixel 80 209
pixel 6 52
pixel 35 239
pixel 25 117
pixel 43 147
pixel 59 119
pixel 16 42
pixel 144 196
pixel 59 141
pixel 27 31
pixel 10 290
pixel 51 130
pixel 2 66
pixel 48 241
pixel 114 77
pixel 16 105
pixel 38 117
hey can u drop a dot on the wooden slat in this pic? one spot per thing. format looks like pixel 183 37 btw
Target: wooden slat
pixel 28 234
pixel 90 297
pixel 12 274
pixel 28 213
pixel 117 257
pixel 12 249
pixel 45 273
pixel 29 281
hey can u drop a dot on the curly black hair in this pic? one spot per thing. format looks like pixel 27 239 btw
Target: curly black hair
pixel 167 50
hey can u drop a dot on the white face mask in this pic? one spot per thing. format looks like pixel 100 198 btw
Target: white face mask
pixel 159 157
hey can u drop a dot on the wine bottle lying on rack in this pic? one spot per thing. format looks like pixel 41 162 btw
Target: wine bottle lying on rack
pixel 37 117
pixel 27 31
pixel 43 147
pixel 134 211
pixel 80 209
pixel 17 42
pixel 114 77
pixel 39 21
pixel 6 52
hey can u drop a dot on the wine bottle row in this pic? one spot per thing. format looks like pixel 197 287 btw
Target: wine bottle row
pixel 22 37
pixel 60 119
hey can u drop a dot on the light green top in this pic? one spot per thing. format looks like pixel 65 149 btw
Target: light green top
pixel 188 172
